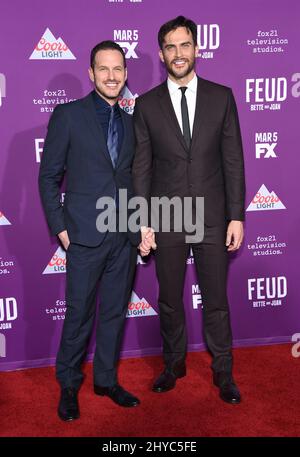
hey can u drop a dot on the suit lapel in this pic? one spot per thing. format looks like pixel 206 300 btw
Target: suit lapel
pixel 94 124
pixel 169 113
pixel 201 107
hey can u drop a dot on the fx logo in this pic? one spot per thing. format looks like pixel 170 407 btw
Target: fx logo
pixel 129 49
pixel 265 149
pixel 2 87
pixel 2 345
pixel 265 144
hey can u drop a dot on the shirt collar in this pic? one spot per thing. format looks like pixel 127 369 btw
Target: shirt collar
pixel 192 85
pixel 103 104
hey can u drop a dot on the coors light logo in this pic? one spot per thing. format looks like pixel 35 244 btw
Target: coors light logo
pixel 138 307
pixel 57 263
pixel 4 220
pixel 127 100
pixel 50 48
pixel 265 200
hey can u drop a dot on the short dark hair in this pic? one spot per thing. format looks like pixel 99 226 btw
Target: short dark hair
pixel 179 21
pixel 104 45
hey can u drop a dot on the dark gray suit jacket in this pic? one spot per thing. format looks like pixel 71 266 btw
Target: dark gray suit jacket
pixel 213 167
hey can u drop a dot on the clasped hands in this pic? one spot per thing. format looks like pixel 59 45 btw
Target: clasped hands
pixel 148 241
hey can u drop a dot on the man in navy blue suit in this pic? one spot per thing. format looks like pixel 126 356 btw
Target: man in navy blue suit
pixel 91 140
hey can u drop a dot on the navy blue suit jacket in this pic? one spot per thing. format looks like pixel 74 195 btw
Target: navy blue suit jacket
pixel 75 145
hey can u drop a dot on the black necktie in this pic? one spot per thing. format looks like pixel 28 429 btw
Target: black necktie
pixel 112 137
pixel 185 118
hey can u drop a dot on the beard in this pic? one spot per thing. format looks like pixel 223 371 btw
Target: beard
pixel 178 74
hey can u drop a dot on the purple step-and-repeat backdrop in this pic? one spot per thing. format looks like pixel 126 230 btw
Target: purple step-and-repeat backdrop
pixel 252 47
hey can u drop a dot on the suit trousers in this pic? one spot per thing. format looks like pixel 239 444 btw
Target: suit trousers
pixel 211 261
pixel 112 264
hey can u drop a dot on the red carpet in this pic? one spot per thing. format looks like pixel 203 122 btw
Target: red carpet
pixel 268 378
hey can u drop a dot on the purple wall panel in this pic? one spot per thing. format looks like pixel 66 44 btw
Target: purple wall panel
pixel 252 47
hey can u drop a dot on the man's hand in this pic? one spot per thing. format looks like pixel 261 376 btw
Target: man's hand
pixel 148 241
pixel 64 239
pixel 235 235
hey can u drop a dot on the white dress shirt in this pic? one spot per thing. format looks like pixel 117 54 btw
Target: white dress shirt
pixel 191 96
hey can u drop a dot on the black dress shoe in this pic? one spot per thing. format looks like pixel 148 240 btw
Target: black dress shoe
pixel 229 391
pixel 68 409
pixel 167 381
pixel 120 396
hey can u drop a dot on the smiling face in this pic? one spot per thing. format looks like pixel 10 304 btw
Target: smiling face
pixel 108 74
pixel 178 54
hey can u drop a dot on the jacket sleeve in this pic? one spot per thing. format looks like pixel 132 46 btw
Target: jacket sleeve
pixel 233 162
pixel 142 164
pixel 52 169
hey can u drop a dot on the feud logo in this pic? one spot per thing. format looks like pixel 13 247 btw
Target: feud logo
pixel 269 93
pixel 38 146
pixel 208 40
pixel 267 288
pixel 265 90
pixel 208 36
pixel 8 309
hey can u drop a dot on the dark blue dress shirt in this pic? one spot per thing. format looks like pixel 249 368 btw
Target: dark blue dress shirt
pixel 103 114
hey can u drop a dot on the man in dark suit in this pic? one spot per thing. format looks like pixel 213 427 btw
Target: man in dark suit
pixel 189 145
pixel 92 141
